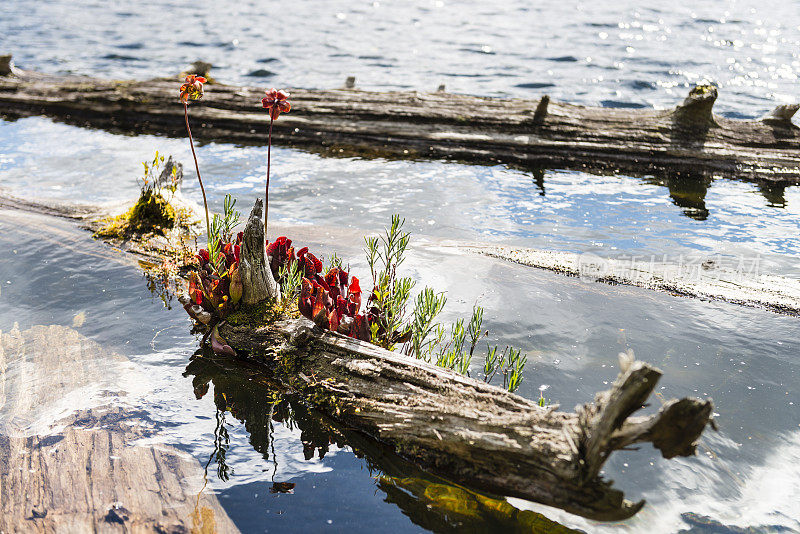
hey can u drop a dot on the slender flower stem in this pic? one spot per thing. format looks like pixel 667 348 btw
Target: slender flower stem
pixel 197 168
pixel 269 158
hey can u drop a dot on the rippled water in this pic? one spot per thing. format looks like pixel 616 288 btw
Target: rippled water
pixel 626 53
pixel 563 210
pixel 743 358
pixel 610 53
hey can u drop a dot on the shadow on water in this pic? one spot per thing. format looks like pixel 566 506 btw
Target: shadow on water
pixel 252 398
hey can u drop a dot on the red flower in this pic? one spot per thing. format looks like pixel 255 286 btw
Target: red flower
pixel 309 264
pixel 192 89
pixel 275 102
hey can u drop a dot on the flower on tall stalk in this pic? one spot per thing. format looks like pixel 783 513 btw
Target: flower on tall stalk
pixel 276 102
pixel 192 89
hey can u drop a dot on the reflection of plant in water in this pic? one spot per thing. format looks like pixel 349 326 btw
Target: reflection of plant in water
pixel 203 520
pixel 161 286
pixel 443 507
pixel 222 442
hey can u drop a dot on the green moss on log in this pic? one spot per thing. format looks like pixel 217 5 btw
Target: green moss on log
pixel 152 213
pixel 261 314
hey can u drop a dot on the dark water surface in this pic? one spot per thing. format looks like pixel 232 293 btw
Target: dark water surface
pixel 645 54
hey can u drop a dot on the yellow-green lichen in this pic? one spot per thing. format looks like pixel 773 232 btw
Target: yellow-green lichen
pixel 152 213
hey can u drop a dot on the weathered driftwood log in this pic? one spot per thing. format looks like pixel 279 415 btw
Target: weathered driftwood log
pixel 708 279
pixel 468 431
pixel 695 115
pixel 257 279
pixel 689 138
pixel 429 501
pixel 6 65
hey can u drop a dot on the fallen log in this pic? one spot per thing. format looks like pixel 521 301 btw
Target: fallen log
pixel 470 432
pixel 463 429
pixel 241 389
pixel 687 139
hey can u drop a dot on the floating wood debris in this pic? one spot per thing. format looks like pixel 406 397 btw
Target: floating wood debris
pixel 689 138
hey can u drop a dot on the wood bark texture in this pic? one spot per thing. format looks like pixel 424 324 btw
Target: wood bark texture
pixel 257 279
pixel 471 432
pixel 689 139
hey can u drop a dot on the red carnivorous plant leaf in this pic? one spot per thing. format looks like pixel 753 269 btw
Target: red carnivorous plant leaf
pixel 219 345
pixel 304 303
pixel 333 320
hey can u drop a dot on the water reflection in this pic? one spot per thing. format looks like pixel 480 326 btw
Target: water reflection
pixel 163 288
pixel 687 190
pixel 774 193
pixel 249 395
pixel 579 212
pixel 538 178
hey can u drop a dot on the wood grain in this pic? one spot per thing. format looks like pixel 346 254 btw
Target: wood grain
pixel 687 139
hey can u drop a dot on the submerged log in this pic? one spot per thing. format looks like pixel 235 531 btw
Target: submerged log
pixel 91 470
pixel 435 125
pixel 464 429
pixel 741 284
pixel 6 65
